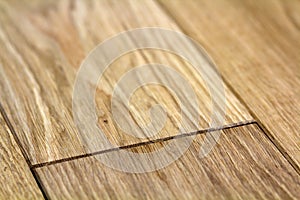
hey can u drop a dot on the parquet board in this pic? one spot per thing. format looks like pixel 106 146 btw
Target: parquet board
pixel 244 165
pixel 256 45
pixel 42 44
pixel 16 180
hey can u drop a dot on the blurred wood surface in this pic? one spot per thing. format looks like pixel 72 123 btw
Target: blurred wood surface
pixel 43 44
pixel 256 45
pixel 244 165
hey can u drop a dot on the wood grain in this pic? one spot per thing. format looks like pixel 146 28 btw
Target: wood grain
pixel 16 180
pixel 256 46
pixel 42 44
pixel 244 165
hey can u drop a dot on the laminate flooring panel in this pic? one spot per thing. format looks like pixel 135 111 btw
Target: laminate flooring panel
pixel 243 165
pixel 42 44
pixel 256 45
pixel 16 180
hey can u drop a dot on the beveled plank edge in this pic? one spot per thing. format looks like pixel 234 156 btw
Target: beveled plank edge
pixel 23 152
pixel 243 103
pixel 203 131
pixel 278 146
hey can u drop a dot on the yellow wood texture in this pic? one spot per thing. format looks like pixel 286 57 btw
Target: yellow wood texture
pixel 256 45
pixel 42 44
pixel 16 180
pixel 244 165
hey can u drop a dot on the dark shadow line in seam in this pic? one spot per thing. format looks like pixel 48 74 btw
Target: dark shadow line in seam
pixel 278 147
pixel 39 183
pixel 39 165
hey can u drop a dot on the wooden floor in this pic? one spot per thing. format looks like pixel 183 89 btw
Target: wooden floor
pixel 255 46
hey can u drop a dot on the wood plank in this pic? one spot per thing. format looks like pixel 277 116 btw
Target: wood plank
pixel 16 179
pixel 42 44
pixel 244 165
pixel 256 46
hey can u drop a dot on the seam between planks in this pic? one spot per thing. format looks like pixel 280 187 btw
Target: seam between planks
pixel 259 123
pixel 181 135
pixel 278 146
pixel 24 154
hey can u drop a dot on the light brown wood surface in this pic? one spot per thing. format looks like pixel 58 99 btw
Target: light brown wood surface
pixel 256 45
pixel 16 180
pixel 42 46
pixel 244 165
